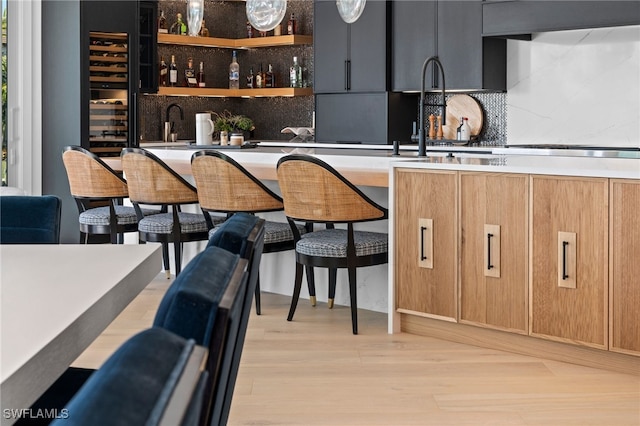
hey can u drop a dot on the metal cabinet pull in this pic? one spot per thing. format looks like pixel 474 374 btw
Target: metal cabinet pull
pixel 489 265
pixel 422 256
pixel 346 75
pixel 564 260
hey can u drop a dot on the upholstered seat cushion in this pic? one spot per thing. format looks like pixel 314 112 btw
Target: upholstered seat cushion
pixel 100 215
pixel 274 232
pixel 189 306
pixel 26 219
pixel 333 243
pixel 134 385
pixel 163 223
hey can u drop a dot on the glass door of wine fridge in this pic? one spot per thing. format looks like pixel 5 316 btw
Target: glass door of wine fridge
pixel 109 110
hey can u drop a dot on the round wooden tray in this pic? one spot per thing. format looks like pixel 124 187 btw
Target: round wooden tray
pixel 463 106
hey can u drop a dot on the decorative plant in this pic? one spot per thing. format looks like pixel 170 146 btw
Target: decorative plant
pixel 232 123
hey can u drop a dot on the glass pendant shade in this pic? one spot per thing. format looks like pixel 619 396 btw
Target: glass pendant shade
pixel 265 15
pixel 195 13
pixel 350 10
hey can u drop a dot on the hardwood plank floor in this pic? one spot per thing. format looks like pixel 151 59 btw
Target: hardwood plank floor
pixel 313 371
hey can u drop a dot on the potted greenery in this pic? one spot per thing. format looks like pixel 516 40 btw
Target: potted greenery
pixel 232 124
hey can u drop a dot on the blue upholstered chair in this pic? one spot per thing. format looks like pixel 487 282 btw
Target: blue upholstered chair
pixel 26 219
pixel 210 302
pixel 154 378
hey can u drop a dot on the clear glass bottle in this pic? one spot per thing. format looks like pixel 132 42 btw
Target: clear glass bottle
pixel 173 72
pixel 162 23
pixel 295 74
pixel 234 72
pixel 200 78
pixel 164 70
pixel 249 30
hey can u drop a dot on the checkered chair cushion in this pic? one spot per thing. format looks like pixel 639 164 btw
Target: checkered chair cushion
pixel 333 243
pixel 100 215
pixel 163 223
pixel 274 232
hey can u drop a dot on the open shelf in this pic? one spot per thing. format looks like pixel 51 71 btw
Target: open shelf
pixel 229 43
pixel 235 93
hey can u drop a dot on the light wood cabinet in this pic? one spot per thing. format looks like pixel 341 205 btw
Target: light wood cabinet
pixel 569 259
pixel 493 250
pixel 426 242
pixel 624 286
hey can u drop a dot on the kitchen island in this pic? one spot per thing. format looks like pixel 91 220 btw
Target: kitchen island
pixel 533 254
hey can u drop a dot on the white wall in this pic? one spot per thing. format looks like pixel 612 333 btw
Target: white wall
pixel 575 87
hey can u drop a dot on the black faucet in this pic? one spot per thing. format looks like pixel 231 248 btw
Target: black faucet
pixel 179 109
pixel 168 126
pixel 422 149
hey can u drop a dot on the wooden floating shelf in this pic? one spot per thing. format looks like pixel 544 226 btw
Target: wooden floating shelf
pixel 235 93
pixel 230 43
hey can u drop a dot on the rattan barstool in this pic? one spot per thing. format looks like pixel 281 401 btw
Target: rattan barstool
pixel 92 181
pixel 152 182
pixel 313 191
pixel 227 187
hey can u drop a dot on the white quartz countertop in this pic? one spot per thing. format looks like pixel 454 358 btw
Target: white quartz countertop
pixel 623 168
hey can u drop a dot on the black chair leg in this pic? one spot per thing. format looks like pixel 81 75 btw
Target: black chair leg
pixel 165 259
pixel 178 253
pixel 354 300
pixel 296 291
pixel 257 296
pixel 311 283
pixel 333 277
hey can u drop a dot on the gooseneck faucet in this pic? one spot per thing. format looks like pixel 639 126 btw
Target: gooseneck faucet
pixel 422 149
pixel 168 125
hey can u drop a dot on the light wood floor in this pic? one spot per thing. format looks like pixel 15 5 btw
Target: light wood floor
pixel 313 371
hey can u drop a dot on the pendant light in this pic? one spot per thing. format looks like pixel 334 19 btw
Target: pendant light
pixel 265 15
pixel 350 10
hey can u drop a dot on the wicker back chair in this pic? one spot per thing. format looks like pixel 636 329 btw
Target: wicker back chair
pixel 227 187
pixel 315 192
pixel 91 182
pixel 152 182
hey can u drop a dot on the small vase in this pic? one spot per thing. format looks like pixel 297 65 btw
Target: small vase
pixel 224 137
pixel 195 14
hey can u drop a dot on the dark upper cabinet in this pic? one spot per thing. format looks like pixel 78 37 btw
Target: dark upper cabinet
pixel 513 18
pixel 148 46
pixel 351 57
pixel 451 30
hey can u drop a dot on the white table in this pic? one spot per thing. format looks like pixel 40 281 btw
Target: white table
pixel 55 301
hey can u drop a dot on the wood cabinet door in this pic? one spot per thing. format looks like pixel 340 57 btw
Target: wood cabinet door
pixel 493 250
pixel 569 272
pixel 624 308
pixel 426 242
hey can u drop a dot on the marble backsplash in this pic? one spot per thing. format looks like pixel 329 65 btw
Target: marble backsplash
pixel 577 87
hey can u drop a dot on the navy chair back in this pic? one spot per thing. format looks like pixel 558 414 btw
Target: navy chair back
pixel 242 234
pixel 154 378
pixel 27 219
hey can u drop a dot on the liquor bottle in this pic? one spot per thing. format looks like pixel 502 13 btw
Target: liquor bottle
pixel 234 72
pixel 249 30
pixel 292 25
pixel 269 79
pixel 204 32
pixel 250 79
pixel 201 82
pixel 164 70
pixel 295 74
pixel 173 72
pixel 190 75
pixel 162 23
pixel 259 79
pixel 178 27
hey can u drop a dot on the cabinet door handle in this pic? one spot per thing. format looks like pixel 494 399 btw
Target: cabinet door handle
pixel 422 256
pixel 564 260
pixel 489 265
pixel 346 75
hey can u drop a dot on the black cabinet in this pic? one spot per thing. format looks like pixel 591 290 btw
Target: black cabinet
pixel 368 118
pixel 514 18
pixel 451 30
pixel 148 46
pixel 351 57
